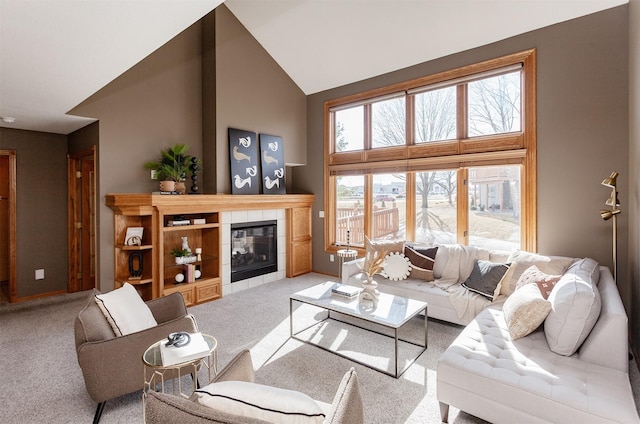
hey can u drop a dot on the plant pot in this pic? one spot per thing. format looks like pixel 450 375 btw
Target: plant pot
pixel 181 187
pixel 167 186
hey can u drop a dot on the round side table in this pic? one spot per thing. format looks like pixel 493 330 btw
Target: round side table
pixel 342 255
pixel 155 372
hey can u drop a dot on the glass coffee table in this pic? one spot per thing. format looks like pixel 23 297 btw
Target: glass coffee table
pixel 390 315
pixel 155 373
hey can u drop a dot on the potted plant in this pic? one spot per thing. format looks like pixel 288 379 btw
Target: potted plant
pixel 183 256
pixel 172 168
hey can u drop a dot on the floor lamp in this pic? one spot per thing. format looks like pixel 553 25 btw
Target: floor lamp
pixel 607 214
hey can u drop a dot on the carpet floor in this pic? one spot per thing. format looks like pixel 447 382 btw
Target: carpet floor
pixel 42 381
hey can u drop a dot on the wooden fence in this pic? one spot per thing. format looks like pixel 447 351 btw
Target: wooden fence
pixel 385 222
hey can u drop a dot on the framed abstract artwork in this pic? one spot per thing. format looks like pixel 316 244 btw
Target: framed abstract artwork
pixel 272 159
pixel 244 160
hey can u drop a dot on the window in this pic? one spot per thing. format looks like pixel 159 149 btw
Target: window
pixel 435 115
pixel 388 123
pixel 436 207
pixel 447 158
pixel 494 207
pixel 349 129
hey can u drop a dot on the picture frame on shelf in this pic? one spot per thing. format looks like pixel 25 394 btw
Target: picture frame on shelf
pixel 272 159
pixel 133 236
pixel 244 162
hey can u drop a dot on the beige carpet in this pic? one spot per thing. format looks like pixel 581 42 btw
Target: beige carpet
pixel 43 383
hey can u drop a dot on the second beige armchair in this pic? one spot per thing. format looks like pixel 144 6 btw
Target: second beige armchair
pixel 164 408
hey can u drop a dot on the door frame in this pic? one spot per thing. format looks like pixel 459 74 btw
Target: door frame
pixel 74 284
pixel 13 289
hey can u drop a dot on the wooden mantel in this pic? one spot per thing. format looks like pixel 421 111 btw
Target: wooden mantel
pixel 217 202
pixel 153 211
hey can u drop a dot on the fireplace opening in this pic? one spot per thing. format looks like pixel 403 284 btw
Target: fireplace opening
pixel 254 248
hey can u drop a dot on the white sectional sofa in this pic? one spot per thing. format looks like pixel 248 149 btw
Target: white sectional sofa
pixel 489 373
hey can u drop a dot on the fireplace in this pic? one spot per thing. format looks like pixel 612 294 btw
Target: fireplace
pixel 254 249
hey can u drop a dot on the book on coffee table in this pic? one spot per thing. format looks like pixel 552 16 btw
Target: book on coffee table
pixel 197 348
pixel 345 291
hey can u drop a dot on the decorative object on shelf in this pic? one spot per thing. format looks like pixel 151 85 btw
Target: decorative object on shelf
pixel 199 254
pixel 179 278
pixel 133 236
pixel 189 271
pixel 185 244
pixel 607 214
pixel 182 256
pixel 173 167
pixel 272 158
pixel 194 167
pixel 243 156
pixel 135 265
pixel 177 221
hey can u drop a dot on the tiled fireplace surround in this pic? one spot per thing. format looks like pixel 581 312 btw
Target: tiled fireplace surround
pixel 237 217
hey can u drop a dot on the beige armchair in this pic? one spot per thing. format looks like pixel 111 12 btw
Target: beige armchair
pixel 163 408
pixel 112 366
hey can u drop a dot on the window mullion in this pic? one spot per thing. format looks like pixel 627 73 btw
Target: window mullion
pixel 461 114
pixel 367 127
pixel 368 205
pixel 410 205
pixel 463 206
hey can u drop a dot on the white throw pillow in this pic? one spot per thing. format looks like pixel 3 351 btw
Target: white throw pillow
pixel 575 308
pixel 525 310
pixel 396 267
pixel 125 310
pixel 552 265
pixel 270 404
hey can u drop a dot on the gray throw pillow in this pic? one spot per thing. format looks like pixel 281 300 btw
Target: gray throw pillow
pixel 485 277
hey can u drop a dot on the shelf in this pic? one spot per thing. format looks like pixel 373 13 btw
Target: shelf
pixel 143 247
pixel 190 227
pixel 140 282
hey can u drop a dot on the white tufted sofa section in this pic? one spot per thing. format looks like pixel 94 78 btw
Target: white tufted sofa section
pixel 486 374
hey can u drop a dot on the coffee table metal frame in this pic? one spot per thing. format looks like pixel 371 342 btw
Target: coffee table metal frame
pixel 320 296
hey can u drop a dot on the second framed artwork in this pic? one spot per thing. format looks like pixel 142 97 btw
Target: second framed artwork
pixel 272 160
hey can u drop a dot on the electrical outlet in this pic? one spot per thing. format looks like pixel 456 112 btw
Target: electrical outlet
pixel 39 274
pixel 332 258
pixel 153 174
pixel 321 214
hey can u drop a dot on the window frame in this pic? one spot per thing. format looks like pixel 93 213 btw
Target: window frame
pixel 514 148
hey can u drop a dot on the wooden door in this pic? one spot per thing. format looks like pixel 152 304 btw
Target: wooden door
pixel 82 222
pixel 4 219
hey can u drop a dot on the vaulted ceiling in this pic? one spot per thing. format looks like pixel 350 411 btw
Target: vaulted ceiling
pixel 56 53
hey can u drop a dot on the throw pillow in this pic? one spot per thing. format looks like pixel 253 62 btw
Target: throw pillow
pixel 552 265
pixel 545 282
pixel 576 306
pixel 396 267
pixel 485 277
pixel 382 246
pixel 125 310
pixel 525 310
pixel 270 404
pixel 422 261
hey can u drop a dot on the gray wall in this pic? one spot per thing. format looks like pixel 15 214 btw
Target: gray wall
pixel 632 204
pixel 582 132
pixel 41 209
pixel 253 93
pixel 159 102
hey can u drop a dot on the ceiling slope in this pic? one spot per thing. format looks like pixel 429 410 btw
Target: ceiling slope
pixel 54 54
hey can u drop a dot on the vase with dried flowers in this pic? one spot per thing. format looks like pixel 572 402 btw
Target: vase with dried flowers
pixel 374 263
